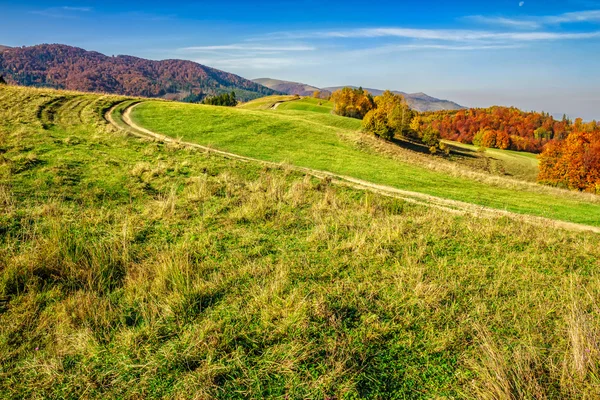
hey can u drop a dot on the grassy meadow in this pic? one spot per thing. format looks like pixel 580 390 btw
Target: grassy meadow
pixel 136 269
pixel 332 143
pixel 520 164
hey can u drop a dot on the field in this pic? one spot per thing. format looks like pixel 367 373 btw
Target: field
pixel 266 102
pixel 331 143
pixel 519 163
pixel 132 268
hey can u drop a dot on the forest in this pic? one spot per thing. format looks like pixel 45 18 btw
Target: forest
pixel 72 68
pixel 569 150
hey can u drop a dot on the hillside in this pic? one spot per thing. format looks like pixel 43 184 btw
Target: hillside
pixel 66 67
pixel 3 48
pixel 335 144
pixel 133 267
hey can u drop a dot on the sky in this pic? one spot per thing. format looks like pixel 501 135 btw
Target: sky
pixel 535 55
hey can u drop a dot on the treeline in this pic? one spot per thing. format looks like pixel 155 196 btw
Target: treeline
pixel 499 127
pixel 226 99
pixel 386 116
pixel 570 150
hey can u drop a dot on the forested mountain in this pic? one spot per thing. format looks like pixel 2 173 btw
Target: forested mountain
pixel 72 68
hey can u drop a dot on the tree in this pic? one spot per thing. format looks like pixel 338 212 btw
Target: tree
pixel 353 103
pixel 2 81
pixel 390 116
pixel 316 94
pixel 573 162
pixel 377 123
pixel 226 99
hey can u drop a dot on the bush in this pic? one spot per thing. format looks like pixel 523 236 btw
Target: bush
pixel 376 123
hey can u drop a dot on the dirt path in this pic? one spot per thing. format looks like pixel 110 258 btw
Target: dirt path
pixel 447 205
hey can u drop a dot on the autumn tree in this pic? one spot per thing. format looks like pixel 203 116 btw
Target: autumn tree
pixel 316 94
pixel 353 103
pixel 391 116
pixel 499 127
pixel 575 161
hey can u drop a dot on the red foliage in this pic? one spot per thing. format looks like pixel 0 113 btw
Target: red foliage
pixel 575 161
pixel 503 127
pixel 66 67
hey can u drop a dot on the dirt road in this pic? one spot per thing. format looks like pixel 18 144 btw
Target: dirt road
pixel 447 205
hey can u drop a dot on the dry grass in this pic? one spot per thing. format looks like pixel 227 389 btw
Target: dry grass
pixel 165 272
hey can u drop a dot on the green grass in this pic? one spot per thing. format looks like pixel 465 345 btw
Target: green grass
pixel 265 102
pixel 308 104
pixel 134 269
pixel 328 142
pixel 518 163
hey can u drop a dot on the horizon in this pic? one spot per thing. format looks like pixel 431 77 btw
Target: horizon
pixel 533 55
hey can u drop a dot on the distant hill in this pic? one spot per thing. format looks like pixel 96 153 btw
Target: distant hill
pixel 287 87
pixel 417 101
pixel 65 67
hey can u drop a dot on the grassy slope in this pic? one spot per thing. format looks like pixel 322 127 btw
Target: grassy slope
pixel 308 104
pixel 328 142
pixel 132 269
pixel 265 102
pixel 521 163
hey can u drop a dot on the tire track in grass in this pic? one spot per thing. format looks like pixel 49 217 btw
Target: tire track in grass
pixel 447 205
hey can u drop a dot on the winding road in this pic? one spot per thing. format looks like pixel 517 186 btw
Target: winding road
pixel 447 205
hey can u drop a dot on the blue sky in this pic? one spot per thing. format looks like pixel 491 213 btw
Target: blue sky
pixel 537 55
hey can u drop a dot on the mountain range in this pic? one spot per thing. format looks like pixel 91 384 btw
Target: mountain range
pixel 417 101
pixel 66 67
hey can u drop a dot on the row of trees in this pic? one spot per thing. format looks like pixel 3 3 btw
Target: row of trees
pixel 226 99
pixel 570 150
pixel 386 116
pixel 499 127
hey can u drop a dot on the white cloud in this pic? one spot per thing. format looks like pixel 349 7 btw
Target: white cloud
pixel 62 12
pixel 263 63
pixel 247 47
pixel 532 22
pixel 508 22
pixel 450 35
pixel 81 9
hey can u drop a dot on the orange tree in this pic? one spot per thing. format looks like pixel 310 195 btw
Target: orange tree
pixel 353 103
pixel 573 162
